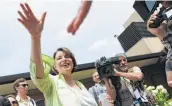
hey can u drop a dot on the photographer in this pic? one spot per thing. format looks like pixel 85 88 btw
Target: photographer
pixel 127 82
pixel 129 89
pixel 122 70
pixel 103 91
pixel 164 32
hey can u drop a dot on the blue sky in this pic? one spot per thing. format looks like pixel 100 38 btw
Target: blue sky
pixel 93 40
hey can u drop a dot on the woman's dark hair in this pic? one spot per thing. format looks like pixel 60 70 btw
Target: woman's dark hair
pixel 69 53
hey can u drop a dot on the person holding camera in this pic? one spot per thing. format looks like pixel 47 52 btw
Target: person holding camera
pixel 127 82
pixel 163 31
pixel 103 91
pixel 129 90
pixel 122 70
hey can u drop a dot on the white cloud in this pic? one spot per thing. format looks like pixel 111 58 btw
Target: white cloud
pixel 106 47
pixel 18 62
pixel 63 35
pixel 98 45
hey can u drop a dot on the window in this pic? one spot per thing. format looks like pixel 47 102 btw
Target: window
pixel 150 5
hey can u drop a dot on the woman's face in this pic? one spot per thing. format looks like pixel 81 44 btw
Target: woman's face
pixel 63 63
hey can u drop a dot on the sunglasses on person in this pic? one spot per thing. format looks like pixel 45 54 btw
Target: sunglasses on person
pixel 24 85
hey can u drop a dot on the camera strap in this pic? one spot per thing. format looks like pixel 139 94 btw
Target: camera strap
pixel 135 92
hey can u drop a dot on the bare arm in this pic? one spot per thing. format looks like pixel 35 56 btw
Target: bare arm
pixel 36 57
pixel 79 18
pixel 83 10
pixel 109 90
pixel 34 27
pixel 169 78
pixel 131 76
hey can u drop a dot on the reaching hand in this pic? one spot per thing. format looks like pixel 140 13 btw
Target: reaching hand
pixel 74 25
pixel 30 22
pixel 156 31
pixel 79 18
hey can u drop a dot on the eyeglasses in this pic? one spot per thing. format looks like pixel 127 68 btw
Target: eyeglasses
pixel 24 85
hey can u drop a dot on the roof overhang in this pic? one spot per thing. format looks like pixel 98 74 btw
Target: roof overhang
pixel 84 71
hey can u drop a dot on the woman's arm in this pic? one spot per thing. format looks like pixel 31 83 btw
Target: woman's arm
pixel 34 27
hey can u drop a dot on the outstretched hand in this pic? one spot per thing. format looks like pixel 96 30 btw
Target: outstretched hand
pixel 79 18
pixel 30 22
pixel 74 25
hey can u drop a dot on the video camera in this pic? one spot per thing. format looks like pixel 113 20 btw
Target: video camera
pixel 164 14
pixel 105 66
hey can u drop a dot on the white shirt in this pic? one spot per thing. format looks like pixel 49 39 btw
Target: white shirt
pixel 27 102
pixel 74 97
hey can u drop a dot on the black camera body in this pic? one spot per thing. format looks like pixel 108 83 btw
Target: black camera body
pixel 105 67
pixel 160 18
pixel 164 14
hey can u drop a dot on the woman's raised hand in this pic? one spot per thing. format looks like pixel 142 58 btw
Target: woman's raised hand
pixel 30 22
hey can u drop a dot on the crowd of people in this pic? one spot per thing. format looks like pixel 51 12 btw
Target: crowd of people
pixel 121 89
pixel 20 98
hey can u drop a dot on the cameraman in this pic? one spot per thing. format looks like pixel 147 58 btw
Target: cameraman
pixel 128 91
pixel 164 33
pixel 122 70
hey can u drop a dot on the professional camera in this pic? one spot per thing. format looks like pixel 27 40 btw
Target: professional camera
pixel 164 14
pixel 105 67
